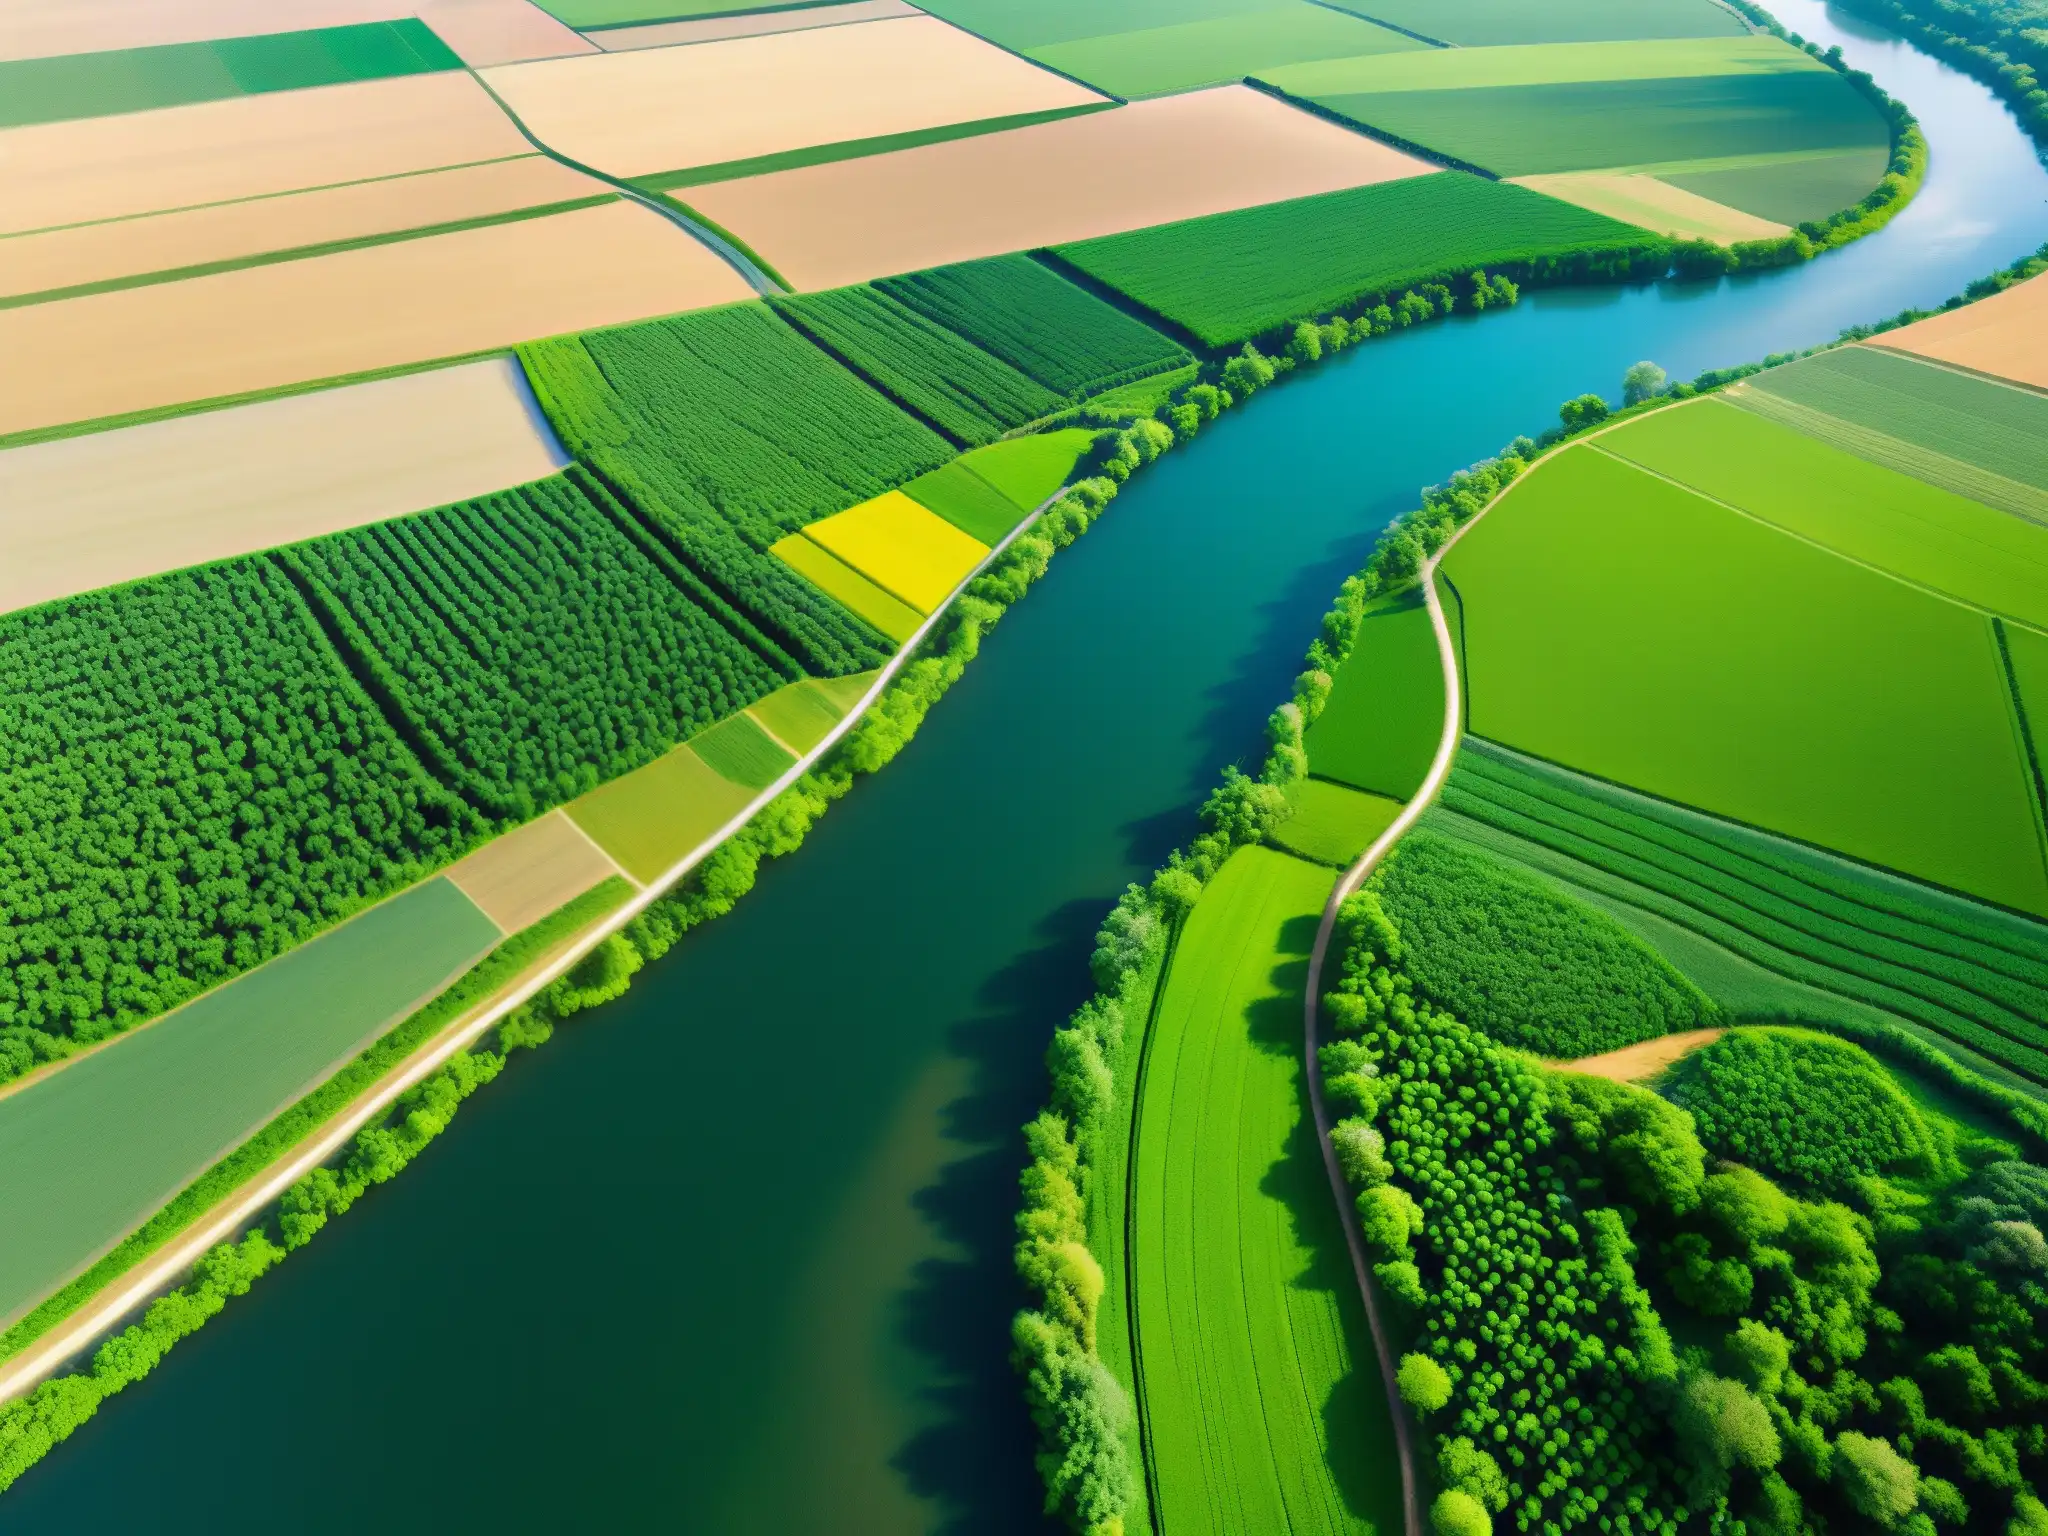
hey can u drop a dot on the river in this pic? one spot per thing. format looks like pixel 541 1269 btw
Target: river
pixel 731 1256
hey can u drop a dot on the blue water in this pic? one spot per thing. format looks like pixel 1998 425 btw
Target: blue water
pixel 732 1256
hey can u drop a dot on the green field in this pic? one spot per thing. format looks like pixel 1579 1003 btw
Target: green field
pixel 966 501
pixel 1235 275
pixel 1384 718
pixel 91 1150
pixel 137 79
pixel 1333 823
pixel 988 492
pixel 1483 23
pixel 1263 1401
pixel 2028 651
pixel 1146 395
pixel 1787 189
pixel 649 818
pixel 1618 624
pixel 1028 28
pixel 1189 54
pixel 739 750
pixel 1871 514
pixel 1451 69
pixel 803 714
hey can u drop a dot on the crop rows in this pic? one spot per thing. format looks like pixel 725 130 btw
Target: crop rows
pixel 1984 983
pixel 968 394
pixel 1040 324
pixel 530 642
pixel 190 783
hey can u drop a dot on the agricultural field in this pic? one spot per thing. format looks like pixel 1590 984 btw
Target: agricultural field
pixel 1494 23
pixel 1636 197
pixel 913 554
pixel 648 819
pixel 1618 624
pixel 803 714
pixel 1385 715
pixel 988 492
pixel 1331 823
pixel 1215 50
pixel 711 29
pixel 1262 1407
pixel 110 507
pixel 519 878
pixel 884 612
pixel 1235 275
pixel 1175 157
pixel 2001 336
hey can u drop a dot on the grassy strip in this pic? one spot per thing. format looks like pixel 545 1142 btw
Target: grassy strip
pixel 854 149
pixel 730 239
pixel 300 252
pixel 302 1119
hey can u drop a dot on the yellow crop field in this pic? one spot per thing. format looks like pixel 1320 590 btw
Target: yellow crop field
pixel 1640 199
pixel 834 577
pixel 2005 335
pixel 53 174
pixel 664 109
pixel 1152 162
pixel 188 237
pixel 909 552
pixel 384 306
pixel 108 507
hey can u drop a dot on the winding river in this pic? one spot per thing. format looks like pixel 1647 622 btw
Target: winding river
pixel 731 1256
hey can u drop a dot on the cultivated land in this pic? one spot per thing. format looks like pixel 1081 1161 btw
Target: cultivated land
pixel 1479 23
pixel 1385 713
pixel 1636 198
pixel 329 316
pixel 56 262
pixel 1149 163
pixel 1263 1409
pixel 1189 54
pixel 758 96
pixel 1333 823
pixel 2005 335
pixel 830 574
pixel 648 819
pixel 108 507
pixel 518 879
pixel 711 29
pixel 56 174
pixel 909 552
pixel 1619 624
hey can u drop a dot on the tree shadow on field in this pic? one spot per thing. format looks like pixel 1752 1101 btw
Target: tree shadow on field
pixel 971 1459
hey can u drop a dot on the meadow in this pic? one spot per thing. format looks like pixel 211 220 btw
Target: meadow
pixel 1263 1407
pixel 1380 726
pixel 2004 335
pixel 1494 23
pixel 1236 275
pixel 1620 625
pixel 988 492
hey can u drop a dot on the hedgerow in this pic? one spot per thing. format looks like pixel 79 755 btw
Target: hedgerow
pixel 1522 961
pixel 530 640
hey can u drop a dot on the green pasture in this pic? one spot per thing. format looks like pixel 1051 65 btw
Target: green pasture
pixel 803 714
pixel 91 1150
pixel 834 577
pixel 1231 276
pixel 80 85
pixel 1333 823
pixel 1871 514
pixel 1029 469
pixel 1262 1392
pixel 1146 395
pixel 1045 23
pixel 738 749
pixel 1218 49
pixel 966 501
pixel 649 818
pixel 1482 23
pixel 1452 69
pixel 1385 716
pixel 1621 625
pixel 1787 189
pixel 1586 125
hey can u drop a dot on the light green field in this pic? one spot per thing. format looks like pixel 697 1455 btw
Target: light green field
pixel 90 1150
pixel 1262 1392
pixel 738 749
pixel 1043 24
pixel 1620 625
pixel 1209 52
pixel 801 715
pixel 1477 23
pixel 1333 823
pixel 1147 395
pixel 1452 69
pixel 1871 514
pixel 2029 652
pixel 834 577
pixel 966 501
pixel 649 818
pixel 1029 469
pixel 1384 718
pixel 1789 188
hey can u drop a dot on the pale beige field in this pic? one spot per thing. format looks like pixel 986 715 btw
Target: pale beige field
pixel 146 162
pixel 711 29
pixel 162 242
pixel 262 327
pixel 664 109
pixel 1652 204
pixel 1634 1063
pixel 520 878
pixel 108 507
pixel 2005 335
pixel 480 31
pixel 1172 157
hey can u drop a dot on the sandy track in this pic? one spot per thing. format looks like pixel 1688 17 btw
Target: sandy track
pixel 1647 1058
pixel 664 109
pixel 2005 335
pixel 160 242
pixel 1173 157
pixel 248 146
pixel 711 29
pixel 265 327
pixel 86 512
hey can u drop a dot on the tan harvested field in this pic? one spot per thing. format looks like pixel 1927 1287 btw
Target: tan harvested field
pixel 1652 204
pixel 711 29
pixel 665 109
pixel 385 306
pixel 520 878
pixel 54 174
pixel 481 31
pixel 1634 1063
pixel 1152 162
pixel 2005 335
pixel 162 242
pixel 108 507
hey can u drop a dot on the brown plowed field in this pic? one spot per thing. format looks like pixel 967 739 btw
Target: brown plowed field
pixel 1152 162
pixel 2005 335
pixel 520 878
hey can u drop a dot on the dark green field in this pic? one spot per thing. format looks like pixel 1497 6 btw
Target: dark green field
pixel 1791 190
